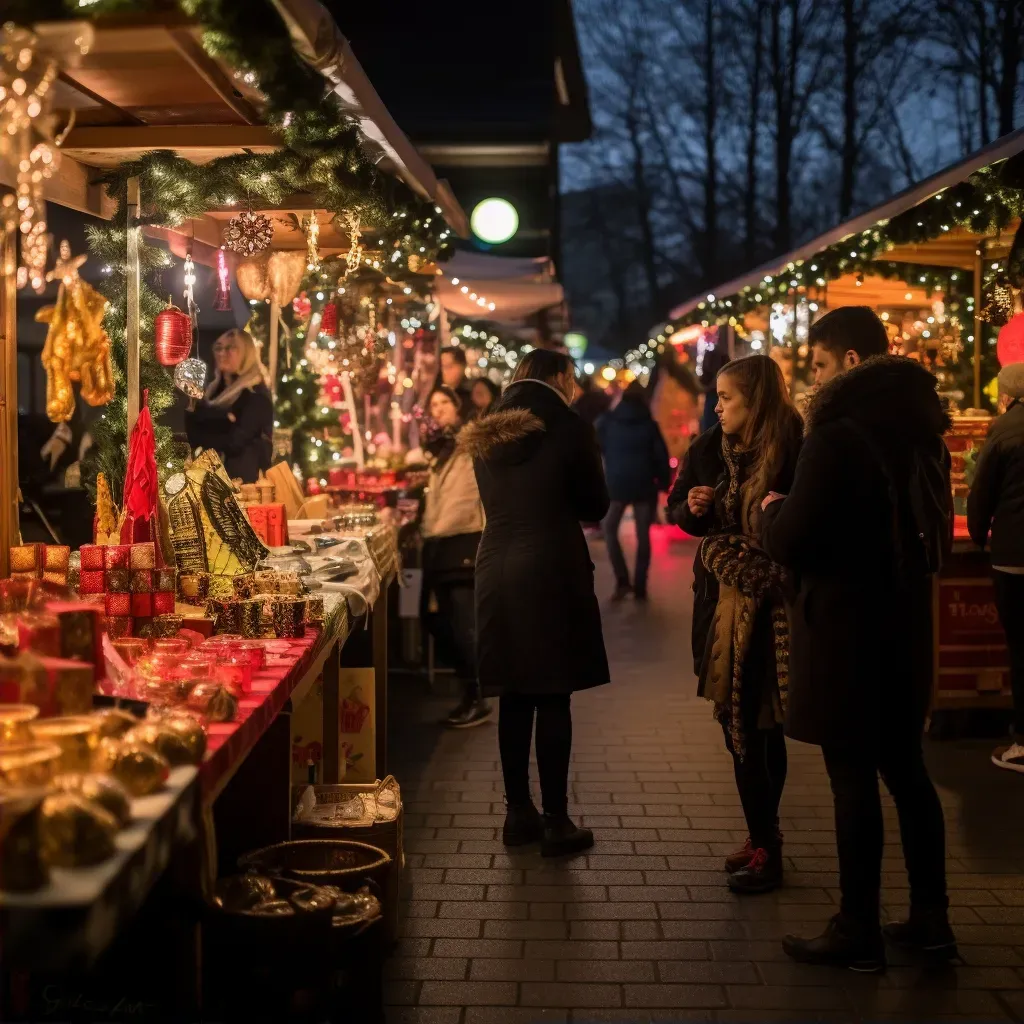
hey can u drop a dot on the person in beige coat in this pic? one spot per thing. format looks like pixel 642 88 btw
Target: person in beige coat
pixel 451 525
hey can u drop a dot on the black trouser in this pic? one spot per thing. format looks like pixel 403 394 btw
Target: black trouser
pixel 554 746
pixel 453 627
pixel 853 772
pixel 1010 602
pixel 643 517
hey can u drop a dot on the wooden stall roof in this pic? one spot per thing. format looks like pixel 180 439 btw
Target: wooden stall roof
pixel 148 85
pixel 956 246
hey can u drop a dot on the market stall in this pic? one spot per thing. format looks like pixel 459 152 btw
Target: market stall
pixel 943 265
pixel 150 682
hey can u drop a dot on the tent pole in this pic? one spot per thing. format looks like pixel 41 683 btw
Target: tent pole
pixel 979 269
pixel 9 530
pixel 133 319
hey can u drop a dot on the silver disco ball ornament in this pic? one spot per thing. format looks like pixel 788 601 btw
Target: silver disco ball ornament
pixel 190 377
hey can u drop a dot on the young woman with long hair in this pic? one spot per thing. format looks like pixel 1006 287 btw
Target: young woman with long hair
pixel 539 633
pixel 740 633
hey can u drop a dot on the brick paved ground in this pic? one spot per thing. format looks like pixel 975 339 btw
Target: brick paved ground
pixel 643 929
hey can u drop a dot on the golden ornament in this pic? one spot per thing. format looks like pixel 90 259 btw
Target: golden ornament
pixel 106 513
pixel 285 271
pixel 77 347
pixel 76 832
pixel 252 278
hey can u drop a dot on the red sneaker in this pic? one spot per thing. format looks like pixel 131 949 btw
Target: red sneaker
pixel 739 858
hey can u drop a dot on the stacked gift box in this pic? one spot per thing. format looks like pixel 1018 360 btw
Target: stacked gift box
pixel 40 562
pixel 132 584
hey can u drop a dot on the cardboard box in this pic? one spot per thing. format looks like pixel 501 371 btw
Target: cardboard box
pixel 270 523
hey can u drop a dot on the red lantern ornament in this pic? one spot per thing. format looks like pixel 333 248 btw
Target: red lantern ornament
pixel 329 320
pixel 1010 343
pixel 302 307
pixel 172 335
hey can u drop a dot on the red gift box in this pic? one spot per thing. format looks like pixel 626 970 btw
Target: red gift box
pixel 198 624
pixel 91 581
pixel 92 556
pixel 165 578
pixel 270 523
pixel 142 555
pixel 80 633
pixel 336 477
pixel 142 581
pixel 163 602
pixel 116 604
pixel 142 605
pixel 39 633
pixel 117 556
pixel 57 686
pixel 118 626
pixel 313 486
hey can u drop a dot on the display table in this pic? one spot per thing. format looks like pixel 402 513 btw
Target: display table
pixel 971 664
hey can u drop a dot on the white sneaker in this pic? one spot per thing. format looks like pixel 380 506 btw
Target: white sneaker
pixel 1011 757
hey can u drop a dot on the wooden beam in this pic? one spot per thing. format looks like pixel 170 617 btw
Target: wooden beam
pixel 979 270
pixel 132 325
pixel 211 73
pixel 9 528
pixel 126 141
pixel 71 186
pixel 82 90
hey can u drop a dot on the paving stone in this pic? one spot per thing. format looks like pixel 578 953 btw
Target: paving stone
pixel 570 994
pixel 499 969
pixel 468 993
pixel 675 996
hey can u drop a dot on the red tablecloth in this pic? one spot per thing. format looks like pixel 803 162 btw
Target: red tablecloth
pixel 228 743
pixel 960 528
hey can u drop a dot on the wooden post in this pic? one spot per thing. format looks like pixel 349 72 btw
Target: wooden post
pixel 9 530
pixel 357 430
pixel 979 270
pixel 133 324
pixel 275 323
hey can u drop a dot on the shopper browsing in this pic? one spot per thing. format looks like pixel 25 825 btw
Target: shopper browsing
pixel 453 375
pixel 740 636
pixel 862 528
pixel 637 469
pixel 996 504
pixel 452 522
pixel 538 621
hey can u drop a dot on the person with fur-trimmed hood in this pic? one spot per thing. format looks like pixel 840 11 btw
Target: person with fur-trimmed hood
pixel 539 637
pixel 865 522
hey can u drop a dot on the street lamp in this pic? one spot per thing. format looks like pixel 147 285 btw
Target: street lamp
pixel 494 220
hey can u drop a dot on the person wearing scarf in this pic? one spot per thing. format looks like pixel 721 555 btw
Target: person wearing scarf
pixel 236 416
pixel 740 630
pixel 451 524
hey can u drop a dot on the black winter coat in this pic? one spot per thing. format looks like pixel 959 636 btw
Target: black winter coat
pixel 996 500
pixel 860 637
pixel 245 445
pixel 635 457
pixel 704 466
pixel 539 471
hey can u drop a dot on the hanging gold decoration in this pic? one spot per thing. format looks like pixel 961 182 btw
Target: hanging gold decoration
pixel 313 244
pixel 248 233
pixel 29 145
pixel 251 276
pixel 285 271
pixel 354 255
pixel 77 347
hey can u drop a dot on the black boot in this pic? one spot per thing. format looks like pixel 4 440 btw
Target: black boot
pixel 523 825
pixel 840 945
pixel 762 873
pixel 925 931
pixel 562 837
pixel 469 713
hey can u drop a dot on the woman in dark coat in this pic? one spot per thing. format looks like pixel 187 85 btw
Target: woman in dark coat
pixel 236 416
pixel 539 634
pixel 740 636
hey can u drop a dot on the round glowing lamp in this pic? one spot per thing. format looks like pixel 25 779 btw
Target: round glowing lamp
pixel 494 220
pixel 608 373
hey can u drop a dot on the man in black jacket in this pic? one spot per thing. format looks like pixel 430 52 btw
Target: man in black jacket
pixel 860 646
pixel 996 503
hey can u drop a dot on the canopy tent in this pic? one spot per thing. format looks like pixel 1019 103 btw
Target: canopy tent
pixel 500 288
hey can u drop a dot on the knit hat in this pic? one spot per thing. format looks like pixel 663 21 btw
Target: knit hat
pixel 1011 380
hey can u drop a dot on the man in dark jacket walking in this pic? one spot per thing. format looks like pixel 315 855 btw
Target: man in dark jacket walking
pixel 860 647
pixel 996 503
pixel 637 469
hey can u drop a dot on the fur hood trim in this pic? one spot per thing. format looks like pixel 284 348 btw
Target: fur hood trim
pixel 481 437
pixel 891 395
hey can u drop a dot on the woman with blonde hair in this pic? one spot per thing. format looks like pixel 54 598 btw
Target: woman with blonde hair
pixel 740 632
pixel 236 416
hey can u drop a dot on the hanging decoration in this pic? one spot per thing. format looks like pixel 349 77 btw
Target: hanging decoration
pixel 189 291
pixel 313 244
pixel 222 301
pixel 999 302
pixel 248 233
pixel 329 320
pixel 172 335
pixel 190 377
pixel 354 255
pixel 302 307
pixel 285 271
pixel 251 277
pixel 1010 343
pixel 141 488
pixel 77 347
pixel 28 143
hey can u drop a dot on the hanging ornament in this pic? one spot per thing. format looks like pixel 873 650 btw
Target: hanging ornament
pixel 355 248
pixel 77 347
pixel 329 320
pixel 313 244
pixel 190 377
pixel 189 292
pixel 248 233
pixel 172 335
pixel 302 307
pixel 28 143
pixel 252 278
pixel 1010 343
pixel 285 271
pixel 223 300
pixel 998 306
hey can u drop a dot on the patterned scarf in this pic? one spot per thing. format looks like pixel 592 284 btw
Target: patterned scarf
pixel 747 578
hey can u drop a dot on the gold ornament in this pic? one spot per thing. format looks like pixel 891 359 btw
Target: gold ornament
pixel 354 255
pixel 313 244
pixel 285 271
pixel 252 278
pixel 248 233
pixel 77 347
pixel 106 513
